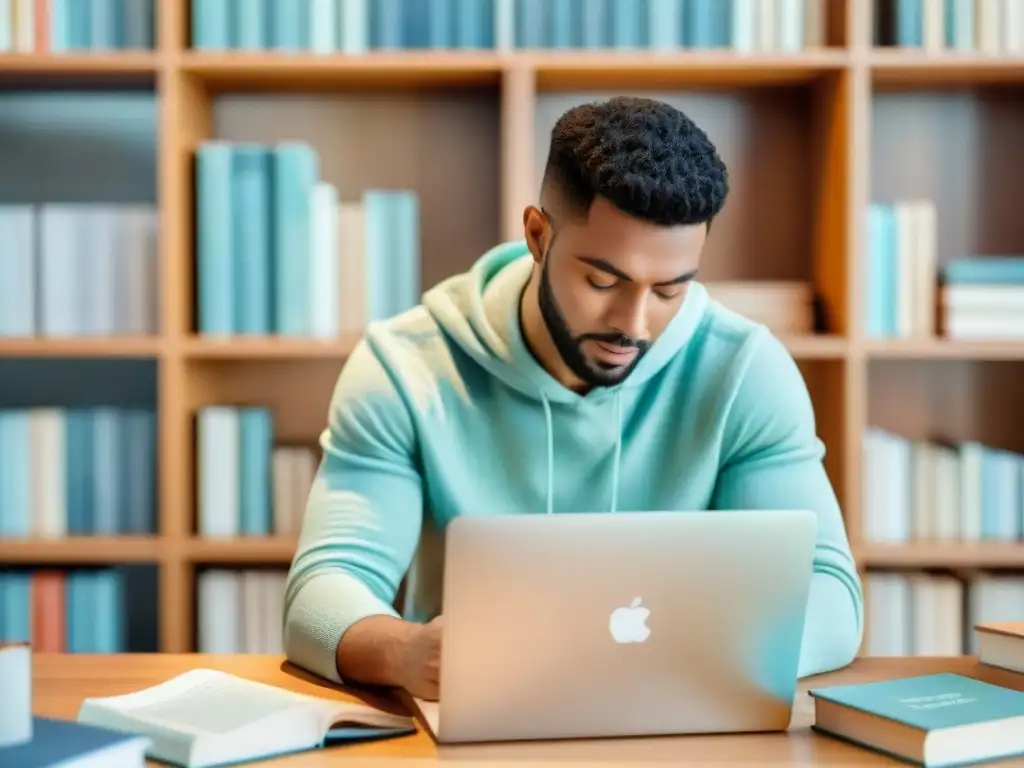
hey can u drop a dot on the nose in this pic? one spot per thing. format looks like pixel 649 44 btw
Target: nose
pixel 631 317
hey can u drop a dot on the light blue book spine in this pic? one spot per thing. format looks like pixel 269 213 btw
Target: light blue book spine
pixel 137 446
pixel 17 271
pixel 594 20
pixel 296 167
pixel 6 31
pixel 627 27
pixel 80 15
pixel 1000 495
pixel 211 25
pixel 701 23
pixel 378 252
pixel 1004 270
pixel 909 22
pixel 104 22
pixel 744 22
pixel 355 35
pixel 78 470
pixel 250 24
pixel 108 631
pixel 138 24
pixel 15 474
pixel 322 26
pixel 561 24
pixel 251 182
pixel 960 25
pixel 664 24
pixel 386 24
pixel 106 487
pixel 15 603
pixel 257 443
pixel 530 26
pixel 441 24
pixel 474 24
pixel 405 207
pixel 78 608
pixel 880 280
pixel 60 26
pixel 215 251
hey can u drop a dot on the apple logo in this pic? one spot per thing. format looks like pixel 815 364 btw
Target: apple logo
pixel 628 624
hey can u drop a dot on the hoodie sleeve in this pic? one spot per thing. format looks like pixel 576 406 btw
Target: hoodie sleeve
pixel 773 460
pixel 362 520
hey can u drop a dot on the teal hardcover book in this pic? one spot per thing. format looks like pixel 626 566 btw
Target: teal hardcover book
pixel 935 721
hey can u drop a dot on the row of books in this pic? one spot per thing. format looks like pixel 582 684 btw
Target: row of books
pixel 785 307
pixel 983 298
pixel 354 26
pixel 983 26
pixel 279 253
pixel 82 610
pixel 899 273
pixel 917 490
pixel 240 611
pixel 932 614
pixel 248 486
pixel 77 471
pixel 78 270
pixel 42 26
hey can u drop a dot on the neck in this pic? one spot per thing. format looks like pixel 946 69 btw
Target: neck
pixel 538 338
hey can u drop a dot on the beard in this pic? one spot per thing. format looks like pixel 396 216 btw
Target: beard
pixel 592 372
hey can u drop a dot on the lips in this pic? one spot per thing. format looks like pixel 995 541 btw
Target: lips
pixel 617 353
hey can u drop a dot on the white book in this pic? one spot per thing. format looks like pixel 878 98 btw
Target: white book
pixel 284 482
pixel 986 25
pixel 49 490
pixel 206 717
pixel 789 17
pixel 17 271
pixel 24 32
pixel 1013 26
pixel 253 607
pixel 925 248
pixel 324 26
pixel 324 261
pixel 219 594
pixel 218 457
pixel 744 25
pixel 906 253
pixel 353 17
pixel 767 22
pixel 505 24
pixel 934 26
pixel 353 285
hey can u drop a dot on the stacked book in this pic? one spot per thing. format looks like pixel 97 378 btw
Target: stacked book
pixel 983 298
pixel 919 490
pixel 78 270
pixel 786 308
pixel 77 472
pixel 356 26
pixel 899 276
pixel 279 253
pixel 248 485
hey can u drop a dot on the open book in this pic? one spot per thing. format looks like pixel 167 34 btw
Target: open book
pixel 206 718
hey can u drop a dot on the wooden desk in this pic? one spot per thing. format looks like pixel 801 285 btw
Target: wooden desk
pixel 62 681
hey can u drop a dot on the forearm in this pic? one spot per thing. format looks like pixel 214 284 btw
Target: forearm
pixel 833 626
pixel 372 650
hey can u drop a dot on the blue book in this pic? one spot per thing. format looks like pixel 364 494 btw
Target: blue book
pixel 214 239
pixel 255 486
pixel 251 238
pixel 63 742
pixel 932 720
pixel 986 270
pixel 295 172
pixel 211 25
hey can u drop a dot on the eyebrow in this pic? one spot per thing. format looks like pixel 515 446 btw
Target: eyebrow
pixel 604 266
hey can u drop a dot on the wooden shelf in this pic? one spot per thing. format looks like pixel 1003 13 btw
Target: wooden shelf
pixel 403 70
pixel 98 347
pixel 919 70
pixel 269 348
pixel 939 554
pixel 273 550
pixel 817 347
pixel 84 550
pixel 943 349
pixel 121 69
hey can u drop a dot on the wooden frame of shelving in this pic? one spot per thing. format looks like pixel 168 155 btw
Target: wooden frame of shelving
pixel 189 366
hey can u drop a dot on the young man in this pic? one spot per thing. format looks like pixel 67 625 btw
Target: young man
pixel 584 370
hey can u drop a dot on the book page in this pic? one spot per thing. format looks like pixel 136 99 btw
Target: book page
pixel 206 702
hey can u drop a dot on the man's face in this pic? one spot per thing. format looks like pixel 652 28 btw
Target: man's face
pixel 610 285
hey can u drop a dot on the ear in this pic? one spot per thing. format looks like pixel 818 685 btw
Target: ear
pixel 535 231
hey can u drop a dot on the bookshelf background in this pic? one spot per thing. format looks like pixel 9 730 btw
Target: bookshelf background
pixel 814 135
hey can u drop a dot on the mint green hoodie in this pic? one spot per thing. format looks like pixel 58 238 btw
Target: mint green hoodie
pixel 443 411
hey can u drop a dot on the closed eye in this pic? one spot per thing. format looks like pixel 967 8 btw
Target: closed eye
pixel 599 286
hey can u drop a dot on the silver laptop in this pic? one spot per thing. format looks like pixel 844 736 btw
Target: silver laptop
pixel 628 624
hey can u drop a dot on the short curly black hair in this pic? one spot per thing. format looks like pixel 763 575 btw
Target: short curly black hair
pixel 644 156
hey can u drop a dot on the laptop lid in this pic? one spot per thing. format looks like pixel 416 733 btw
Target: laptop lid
pixel 600 625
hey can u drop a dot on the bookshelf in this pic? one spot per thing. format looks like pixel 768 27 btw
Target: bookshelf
pixel 813 138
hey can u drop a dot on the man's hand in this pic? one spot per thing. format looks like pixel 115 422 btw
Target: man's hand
pixel 420 666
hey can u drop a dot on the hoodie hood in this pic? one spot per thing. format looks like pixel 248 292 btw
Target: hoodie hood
pixel 479 311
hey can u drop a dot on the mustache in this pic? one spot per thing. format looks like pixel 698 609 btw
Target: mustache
pixel 616 340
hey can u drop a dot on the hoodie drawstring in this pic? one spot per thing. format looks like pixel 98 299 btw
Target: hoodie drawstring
pixel 551 453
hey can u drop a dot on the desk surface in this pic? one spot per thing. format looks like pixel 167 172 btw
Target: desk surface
pixel 61 682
